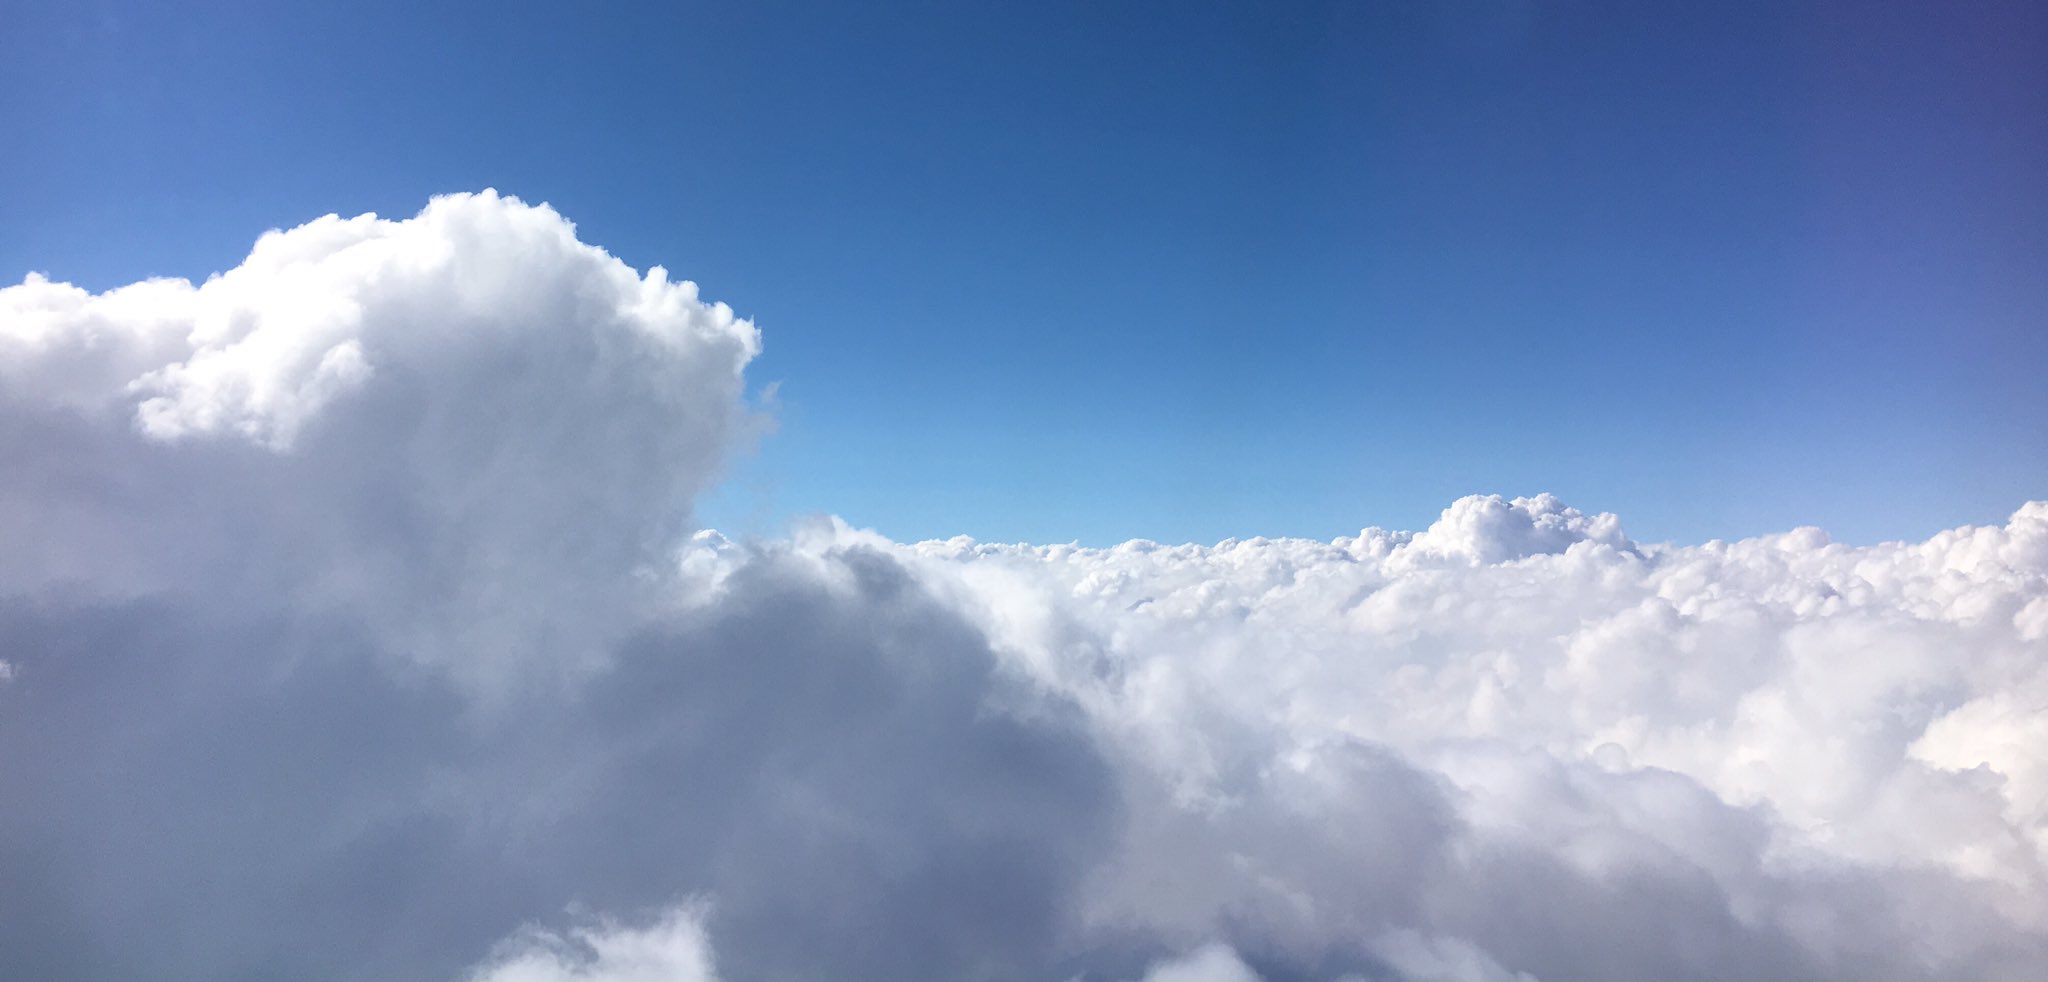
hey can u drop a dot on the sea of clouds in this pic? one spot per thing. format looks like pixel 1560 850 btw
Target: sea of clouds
pixel 353 626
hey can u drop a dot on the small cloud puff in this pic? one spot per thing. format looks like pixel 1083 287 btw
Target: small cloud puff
pixel 1213 963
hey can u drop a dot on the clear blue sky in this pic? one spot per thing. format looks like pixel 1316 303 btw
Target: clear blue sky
pixel 1051 271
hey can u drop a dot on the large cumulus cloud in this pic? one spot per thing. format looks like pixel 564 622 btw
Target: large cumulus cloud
pixel 350 673
pixel 355 628
pixel 423 425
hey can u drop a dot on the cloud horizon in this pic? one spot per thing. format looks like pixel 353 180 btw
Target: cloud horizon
pixel 356 624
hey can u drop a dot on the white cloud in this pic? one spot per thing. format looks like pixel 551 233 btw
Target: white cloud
pixel 1774 717
pixel 671 948
pixel 351 618
pixel 1212 963
pixel 423 424
pixel 1787 670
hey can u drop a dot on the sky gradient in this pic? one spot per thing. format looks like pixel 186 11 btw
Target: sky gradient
pixel 1050 272
pixel 472 479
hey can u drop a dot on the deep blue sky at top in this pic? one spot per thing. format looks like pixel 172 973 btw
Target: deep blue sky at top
pixel 1096 270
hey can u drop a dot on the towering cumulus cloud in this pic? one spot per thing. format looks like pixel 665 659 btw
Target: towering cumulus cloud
pixel 353 626
pixel 424 427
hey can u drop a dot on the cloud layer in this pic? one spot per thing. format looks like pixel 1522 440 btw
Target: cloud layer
pixel 354 627
pixel 1517 741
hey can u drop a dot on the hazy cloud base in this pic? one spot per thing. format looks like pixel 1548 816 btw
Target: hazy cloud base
pixel 352 626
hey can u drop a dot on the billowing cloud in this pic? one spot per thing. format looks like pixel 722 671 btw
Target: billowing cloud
pixel 1519 740
pixel 1213 963
pixel 1771 753
pixel 420 425
pixel 1847 689
pixel 671 948
pixel 353 626
pixel 350 675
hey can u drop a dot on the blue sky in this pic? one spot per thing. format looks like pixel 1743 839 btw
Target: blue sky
pixel 1093 271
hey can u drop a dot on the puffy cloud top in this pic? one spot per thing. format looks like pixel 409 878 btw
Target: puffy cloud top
pixel 465 410
pixel 314 313
pixel 1485 529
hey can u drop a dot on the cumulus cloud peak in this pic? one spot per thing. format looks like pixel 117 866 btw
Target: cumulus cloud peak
pixel 468 407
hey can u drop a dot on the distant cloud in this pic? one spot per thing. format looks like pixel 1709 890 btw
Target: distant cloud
pixel 353 626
